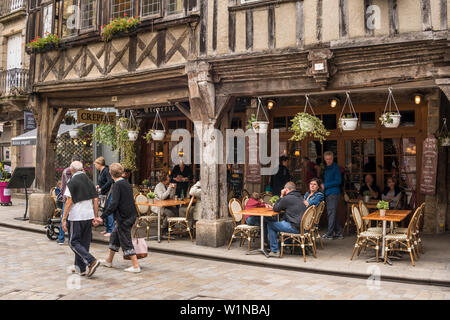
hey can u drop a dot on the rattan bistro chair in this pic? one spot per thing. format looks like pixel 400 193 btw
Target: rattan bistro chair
pixel 242 231
pixel 244 201
pixel 304 238
pixel 365 212
pixel 315 230
pixel 365 239
pixel 403 242
pixel 144 214
pixel 418 214
pixel 181 223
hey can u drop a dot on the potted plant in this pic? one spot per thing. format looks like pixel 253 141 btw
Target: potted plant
pixel 258 126
pixel 133 134
pixel 304 124
pixel 74 133
pixel 123 122
pixel 151 197
pixel 444 140
pixel 49 42
pixel 367 195
pixel 348 122
pixel 119 26
pixel 389 118
pixel 382 206
pixel 273 200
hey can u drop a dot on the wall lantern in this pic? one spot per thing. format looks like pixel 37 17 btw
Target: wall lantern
pixel 297 153
pixel 418 98
pixel 334 102
pixel 270 104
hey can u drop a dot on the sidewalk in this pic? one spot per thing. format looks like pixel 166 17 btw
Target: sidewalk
pixel 432 268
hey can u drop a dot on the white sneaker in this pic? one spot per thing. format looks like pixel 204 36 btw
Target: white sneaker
pixel 133 269
pixel 105 264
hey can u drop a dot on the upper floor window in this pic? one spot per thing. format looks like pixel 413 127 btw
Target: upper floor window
pixel 120 8
pixel 88 14
pixel 175 6
pixel 47 19
pixel 151 8
pixel 69 18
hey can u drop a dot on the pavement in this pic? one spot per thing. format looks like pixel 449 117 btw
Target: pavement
pixel 433 268
pixel 35 268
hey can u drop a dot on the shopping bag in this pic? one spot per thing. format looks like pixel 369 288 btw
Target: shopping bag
pixel 140 246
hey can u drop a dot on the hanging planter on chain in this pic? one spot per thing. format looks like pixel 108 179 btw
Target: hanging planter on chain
pixel 444 135
pixel 390 119
pixel 305 123
pixel 132 129
pixel 349 121
pixel 154 133
pixel 258 125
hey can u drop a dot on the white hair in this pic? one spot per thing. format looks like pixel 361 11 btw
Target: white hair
pixel 76 166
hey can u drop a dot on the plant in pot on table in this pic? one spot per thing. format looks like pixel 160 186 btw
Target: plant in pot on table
pixel 151 197
pixel 382 206
pixel 367 195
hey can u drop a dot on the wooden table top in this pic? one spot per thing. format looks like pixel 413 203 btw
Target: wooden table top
pixel 165 203
pixel 391 215
pixel 265 212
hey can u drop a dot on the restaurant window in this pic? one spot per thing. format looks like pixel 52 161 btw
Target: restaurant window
pixel 316 150
pixel 47 13
pixel 120 8
pixel 150 7
pixel 367 120
pixel 279 123
pixel 174 6
pixel 69 18
pixel 408 118
pixel 329 121
pixel 360 160
pixel 88 14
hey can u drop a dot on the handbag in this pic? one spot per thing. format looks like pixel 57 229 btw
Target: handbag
pixel 140 246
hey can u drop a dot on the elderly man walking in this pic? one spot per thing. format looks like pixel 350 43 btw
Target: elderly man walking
pixel 81 208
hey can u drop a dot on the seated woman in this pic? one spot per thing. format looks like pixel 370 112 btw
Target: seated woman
pixel 314 196
pixel 255 201
pixel 165 190
pixel 392 193
pixel 371 187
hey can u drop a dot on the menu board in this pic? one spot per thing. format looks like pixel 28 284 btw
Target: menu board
pixel 253 170
pixel 429 166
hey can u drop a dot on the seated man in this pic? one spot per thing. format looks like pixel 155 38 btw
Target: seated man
pixel 292 202
pixel 369 186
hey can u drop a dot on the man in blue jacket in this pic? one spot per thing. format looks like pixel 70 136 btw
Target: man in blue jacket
pixel 331 187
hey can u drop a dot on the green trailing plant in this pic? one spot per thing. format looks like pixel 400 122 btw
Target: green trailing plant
pixel 348 116
pixel 443 139
pixel 274 199
pixel 118 25
pixel 315 127
pixel 151 195
pixel 367 193
pixel 383 205
pixel 251 120
pixel 40 43
pixel 106 134
pixel 128 156
pixel 148 136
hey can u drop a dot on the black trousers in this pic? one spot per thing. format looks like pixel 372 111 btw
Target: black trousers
pixel 121 238
pixel 80 236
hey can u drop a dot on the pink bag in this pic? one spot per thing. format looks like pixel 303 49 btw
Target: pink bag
pixel 140 246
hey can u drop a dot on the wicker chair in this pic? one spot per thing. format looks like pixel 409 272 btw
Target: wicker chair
pixel 418 214
pixel 365 212
pixel 144 213
pixel 315 230
pixel 403 242
pixel 244 201
pixel 181 223
pixel 304 238
pixel 365 239
pixel 241 231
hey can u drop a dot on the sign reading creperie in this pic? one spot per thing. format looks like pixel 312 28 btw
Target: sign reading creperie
pixel 95 117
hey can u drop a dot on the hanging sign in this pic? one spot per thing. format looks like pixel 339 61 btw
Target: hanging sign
pixel 28 121
pixel 429 166
pixel 95 117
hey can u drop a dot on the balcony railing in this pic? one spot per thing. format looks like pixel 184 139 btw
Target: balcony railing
pixel 9 6
pixel 14 82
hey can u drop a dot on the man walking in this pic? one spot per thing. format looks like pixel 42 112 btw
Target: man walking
pixel 66 174
pixel 80 210
pixel 331 187
pixel 292 202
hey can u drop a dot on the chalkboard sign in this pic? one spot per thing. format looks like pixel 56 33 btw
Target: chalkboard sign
pixel 429 166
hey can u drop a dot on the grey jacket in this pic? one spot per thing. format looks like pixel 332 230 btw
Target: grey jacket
pixel 162 193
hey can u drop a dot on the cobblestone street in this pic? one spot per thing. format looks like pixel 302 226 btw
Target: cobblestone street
pixel 37 268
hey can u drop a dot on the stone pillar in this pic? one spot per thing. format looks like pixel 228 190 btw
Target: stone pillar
pixel 16 130
pixel 436 205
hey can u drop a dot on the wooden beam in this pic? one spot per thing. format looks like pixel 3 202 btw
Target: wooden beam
pixel 214 35
pixel 203 27
pixel 152 98
pixel 343 19
pixel 319 10
pixel 183 108
pixel 271 26
pixel 232 31
pixel 249 30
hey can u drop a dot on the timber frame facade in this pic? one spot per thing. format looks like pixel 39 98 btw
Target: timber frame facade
pixel 210 53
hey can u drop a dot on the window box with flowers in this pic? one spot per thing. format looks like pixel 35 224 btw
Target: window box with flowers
pixel 49 42
pixel 119 27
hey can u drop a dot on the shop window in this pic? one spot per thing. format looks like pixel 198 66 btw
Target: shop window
pixel 408 118
pixel 329 121
pixel 120 8
pixel 279 123
pixel 174 6
pixel 150 7
pixel 360 159
pixel 316 150
pixel 367 120
pixel 88 14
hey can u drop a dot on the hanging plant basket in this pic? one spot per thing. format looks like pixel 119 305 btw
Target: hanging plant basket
pixel 305 124
pixel 259 126
pixel 123 122
pixel 154 133
pixel 74 133
pixel 348 122
pixel 389 118
pixel 133 135
pixel 158 135
pixel 444 135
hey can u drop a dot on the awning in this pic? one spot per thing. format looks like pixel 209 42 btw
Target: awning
pixel 29 138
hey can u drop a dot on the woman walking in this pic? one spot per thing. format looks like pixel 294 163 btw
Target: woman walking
pixel 124 210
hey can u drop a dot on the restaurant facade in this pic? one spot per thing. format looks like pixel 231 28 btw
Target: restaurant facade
pixel 214 63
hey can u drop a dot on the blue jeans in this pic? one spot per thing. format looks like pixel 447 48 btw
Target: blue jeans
pixel 274 228
pixel 61 231
pixel 256 221
pixel 110 220
pixel 333 221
